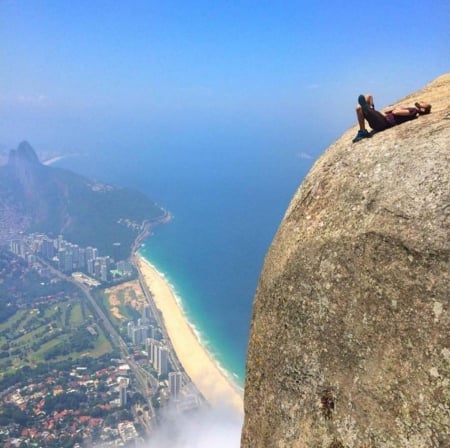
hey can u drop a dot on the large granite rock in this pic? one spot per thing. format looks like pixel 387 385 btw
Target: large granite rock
pixel 350 336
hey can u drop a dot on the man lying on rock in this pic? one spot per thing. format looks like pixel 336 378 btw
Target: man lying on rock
pixel 378 121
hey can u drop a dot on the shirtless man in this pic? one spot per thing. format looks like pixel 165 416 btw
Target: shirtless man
pixel 365 110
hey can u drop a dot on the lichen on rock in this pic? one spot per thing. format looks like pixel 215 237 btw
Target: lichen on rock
pixel 350 335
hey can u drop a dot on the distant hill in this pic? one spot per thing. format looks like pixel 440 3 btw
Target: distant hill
pixel 39 198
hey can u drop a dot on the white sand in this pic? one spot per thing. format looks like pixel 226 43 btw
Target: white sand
pixel 198 363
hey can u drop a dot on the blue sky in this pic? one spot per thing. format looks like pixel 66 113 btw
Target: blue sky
pixel 74 72
pixel 209 86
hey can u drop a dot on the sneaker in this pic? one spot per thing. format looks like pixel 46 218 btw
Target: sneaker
pixel 362 133
pixel 362 102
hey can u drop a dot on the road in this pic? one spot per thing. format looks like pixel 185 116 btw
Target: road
pixel 145 382
pixel 143 378
pixel 173 359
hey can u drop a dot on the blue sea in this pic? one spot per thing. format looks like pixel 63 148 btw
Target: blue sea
pixel 228 198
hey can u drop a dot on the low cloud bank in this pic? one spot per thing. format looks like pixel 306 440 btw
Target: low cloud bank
pixel 213 427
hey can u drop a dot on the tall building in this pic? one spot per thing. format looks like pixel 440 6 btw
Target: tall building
pixel 158 356
pixel 62 259
pixel 82 259
pixel 150 344
pixel 138 332
pixel 116 252
pixel 144 329
pixel 90 266
pixel 130 329
pixel 48 248
pixel 60 242
pixel 104 272
pixel 162 360
pixel 175 384
pixel 155 353
pixel 17 247
pixel 97 269
pixel 68 262
pixel 136 335
pixel 91 253
pixel 123 384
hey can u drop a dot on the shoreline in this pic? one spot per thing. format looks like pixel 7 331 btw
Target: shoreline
pixel 55 159
pixel 205 372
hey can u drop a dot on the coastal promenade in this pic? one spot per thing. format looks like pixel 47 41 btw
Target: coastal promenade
pixel 204 371
pixel 186 352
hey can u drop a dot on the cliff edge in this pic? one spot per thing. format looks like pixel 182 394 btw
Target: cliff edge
pixel 350 335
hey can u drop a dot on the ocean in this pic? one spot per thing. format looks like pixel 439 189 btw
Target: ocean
pixel 227 199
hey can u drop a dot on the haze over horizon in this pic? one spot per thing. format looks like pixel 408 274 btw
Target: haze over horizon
pixel 86 75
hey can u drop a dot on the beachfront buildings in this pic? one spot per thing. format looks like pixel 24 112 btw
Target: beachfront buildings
pixel 138 332
pixel 175 383
pixel 123 386
pixel 68 257
pixel 158 356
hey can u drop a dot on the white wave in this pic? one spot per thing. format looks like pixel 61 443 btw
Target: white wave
pixel 204 342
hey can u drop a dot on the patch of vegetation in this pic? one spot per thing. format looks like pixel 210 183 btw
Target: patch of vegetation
pixel 13 321
pixel 102 346
pixel 42 320
pixel 49 333
pixel 21 285
pixel 125 310
pixel 27 374
pixel 131 312
pixel 10 413
pixel 76 315
pixel 103 300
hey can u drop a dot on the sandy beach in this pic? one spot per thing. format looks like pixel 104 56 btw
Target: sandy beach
pixel 199 365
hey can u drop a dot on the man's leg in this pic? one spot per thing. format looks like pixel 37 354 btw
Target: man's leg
pixel 360 117
pixel 368 102
pixel 364 101
pixel 377 121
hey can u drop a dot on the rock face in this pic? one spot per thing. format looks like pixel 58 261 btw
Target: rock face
pixel 350 336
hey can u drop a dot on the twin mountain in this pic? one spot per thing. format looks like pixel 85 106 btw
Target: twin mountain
pixel 38 198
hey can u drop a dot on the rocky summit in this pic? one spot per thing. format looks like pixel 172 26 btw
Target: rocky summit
pixel 350 335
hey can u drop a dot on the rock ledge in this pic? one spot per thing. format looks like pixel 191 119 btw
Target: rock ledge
pixel 350 336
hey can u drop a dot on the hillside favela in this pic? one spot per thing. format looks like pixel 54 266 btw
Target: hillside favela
pixel 85 358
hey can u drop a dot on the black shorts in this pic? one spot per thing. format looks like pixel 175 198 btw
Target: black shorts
pixel 377 121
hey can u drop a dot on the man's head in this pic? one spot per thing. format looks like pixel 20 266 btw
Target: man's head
pixel 423 108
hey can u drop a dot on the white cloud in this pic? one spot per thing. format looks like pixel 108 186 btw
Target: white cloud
pixel 210 427
pixel 304 155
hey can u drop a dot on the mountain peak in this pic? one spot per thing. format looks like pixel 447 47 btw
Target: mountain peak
pixel 23 153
